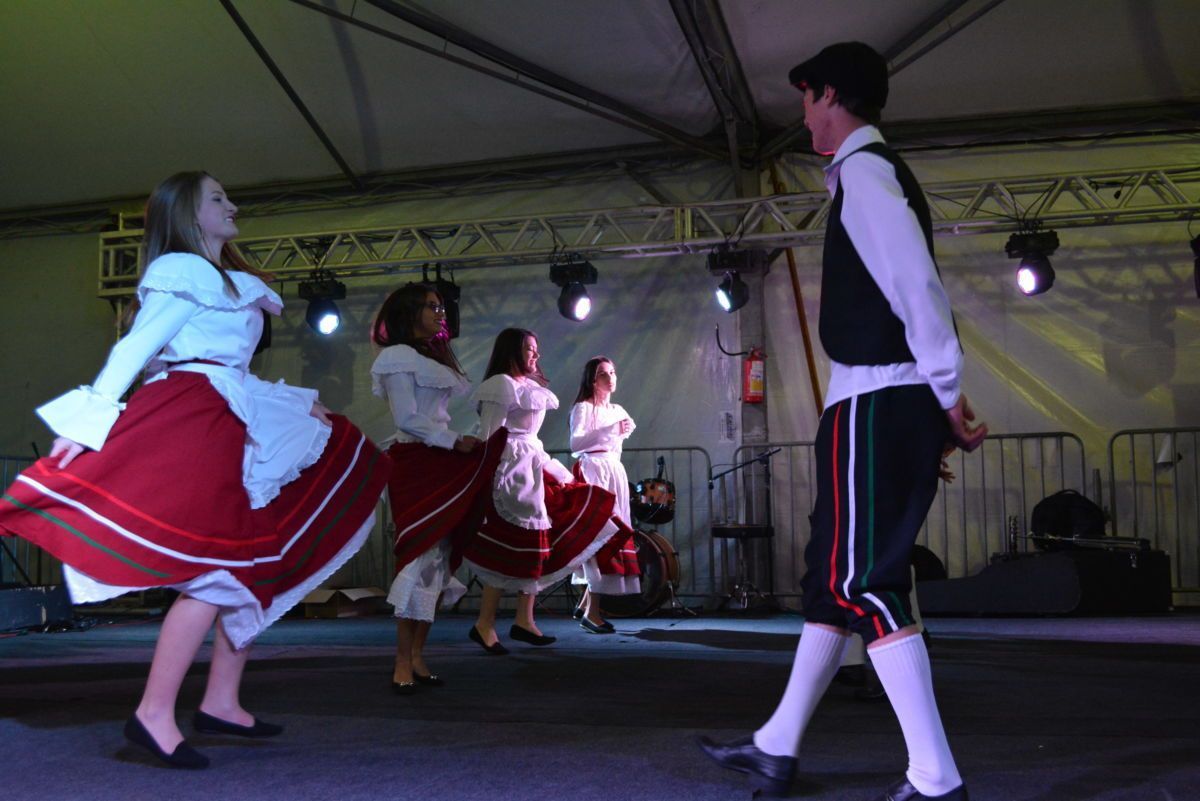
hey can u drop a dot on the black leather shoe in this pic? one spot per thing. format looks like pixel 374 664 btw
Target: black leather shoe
pixel 207 724
pixel 430 680
pixel 578 613
pixel 904 791
pixel 495 649
pixel 184 756
pixel 596 628
pixel 404 687
pixel 525 635
pixel 742 755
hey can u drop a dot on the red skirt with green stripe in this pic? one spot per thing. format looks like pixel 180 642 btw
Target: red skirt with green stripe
pixel 163 502
pixel 510 557
pixel 438 494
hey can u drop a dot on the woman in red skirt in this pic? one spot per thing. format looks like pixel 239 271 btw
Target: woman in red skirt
pixel 599 427
pixel 441 480
pixel 239 493
pixel 540 524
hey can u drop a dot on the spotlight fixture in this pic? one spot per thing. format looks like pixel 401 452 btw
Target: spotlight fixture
pixel 321 290
pixel 1033 248
pixel 732 292
pixel 730 263
pixel 571 275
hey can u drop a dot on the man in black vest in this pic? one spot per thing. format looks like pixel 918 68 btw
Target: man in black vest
pixel 893 404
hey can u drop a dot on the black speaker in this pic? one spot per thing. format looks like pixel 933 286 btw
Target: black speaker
pixel 25 607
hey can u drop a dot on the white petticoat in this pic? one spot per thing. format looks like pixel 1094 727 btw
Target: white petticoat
pixel 416 589
pixel 240 612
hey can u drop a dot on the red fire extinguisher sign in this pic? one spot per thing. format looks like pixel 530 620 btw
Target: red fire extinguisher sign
pixel 754 376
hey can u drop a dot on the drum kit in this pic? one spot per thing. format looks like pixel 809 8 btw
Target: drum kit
pixel 652 503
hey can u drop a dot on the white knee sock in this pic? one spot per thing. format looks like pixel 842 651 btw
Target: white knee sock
pixel 817 659
pixel 903 668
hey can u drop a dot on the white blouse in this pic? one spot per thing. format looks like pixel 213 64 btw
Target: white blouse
pixel 418 390
pixel 519 405
pixel 598 428
pixel 187 314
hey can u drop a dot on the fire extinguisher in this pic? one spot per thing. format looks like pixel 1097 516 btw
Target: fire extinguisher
pixel 754 376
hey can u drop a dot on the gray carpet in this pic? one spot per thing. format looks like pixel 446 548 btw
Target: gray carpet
pixel 1052 710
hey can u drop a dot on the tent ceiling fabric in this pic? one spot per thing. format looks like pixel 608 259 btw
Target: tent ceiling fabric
pixel 102 99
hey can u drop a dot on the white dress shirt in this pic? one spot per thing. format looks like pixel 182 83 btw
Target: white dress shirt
pixel 889 239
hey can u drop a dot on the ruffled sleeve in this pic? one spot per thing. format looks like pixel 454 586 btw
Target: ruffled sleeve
pixel 192 278
pixel 86 414
pixel 499 389
pixel 534 397
pixel 495 397
pixel 425 371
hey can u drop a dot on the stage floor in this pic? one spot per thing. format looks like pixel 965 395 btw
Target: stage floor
pixel 1046 709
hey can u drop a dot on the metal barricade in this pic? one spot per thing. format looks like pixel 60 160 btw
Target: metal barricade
pixel 968 520
pixel 702 564
pixel 22 562
pixel 1154 493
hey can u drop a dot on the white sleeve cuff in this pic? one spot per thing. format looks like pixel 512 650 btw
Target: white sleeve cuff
pixel 82 415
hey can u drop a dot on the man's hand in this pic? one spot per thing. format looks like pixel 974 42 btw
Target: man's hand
pixel 67 448
pixel 965 435
pixel 944 469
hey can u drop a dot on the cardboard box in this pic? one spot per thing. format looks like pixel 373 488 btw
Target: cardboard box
pixel 343 602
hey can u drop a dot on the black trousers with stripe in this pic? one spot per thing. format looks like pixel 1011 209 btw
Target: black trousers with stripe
pixel 877 474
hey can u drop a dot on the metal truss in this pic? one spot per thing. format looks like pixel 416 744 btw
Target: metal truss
pixel 1068 200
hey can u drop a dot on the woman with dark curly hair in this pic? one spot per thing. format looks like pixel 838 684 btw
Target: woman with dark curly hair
pixel 439 487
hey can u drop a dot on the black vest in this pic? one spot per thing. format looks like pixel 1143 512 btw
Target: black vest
pixel 857 324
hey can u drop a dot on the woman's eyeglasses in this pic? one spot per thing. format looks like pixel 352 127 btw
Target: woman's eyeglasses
pixel 436 308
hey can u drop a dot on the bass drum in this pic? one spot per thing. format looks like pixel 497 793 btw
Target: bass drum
pixel 659 564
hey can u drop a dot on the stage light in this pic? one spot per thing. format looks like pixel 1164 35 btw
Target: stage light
pixel 574 303
pixel 321 290
pixel 1033 248
pixel 732 292
pixel 571 273
pixel 1035 275
pixel 323 316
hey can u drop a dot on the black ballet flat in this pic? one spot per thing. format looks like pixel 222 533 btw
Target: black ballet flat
pixel 184 756
pixel 578 613
pixel 596 628
pixel 525 635
pixel 404 687
pixel 207 724
pixel 496 649
pixel 429 680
